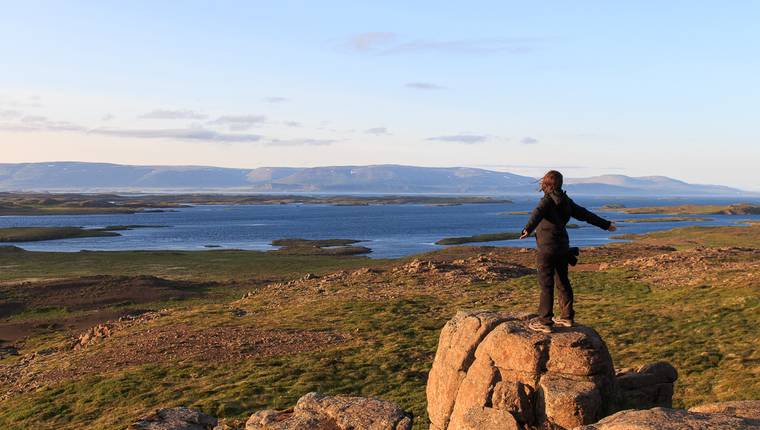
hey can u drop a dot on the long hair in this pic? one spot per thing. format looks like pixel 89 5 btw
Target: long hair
pixel 551 181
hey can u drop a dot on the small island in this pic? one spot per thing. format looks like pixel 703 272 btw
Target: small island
pixel 486 237
pixel 665 219
pixel 734 209
pixel 36 234
pixel 330 247
pixel 84 204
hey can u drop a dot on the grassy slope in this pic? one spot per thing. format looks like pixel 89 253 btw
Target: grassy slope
pixel 216 265
pixel 709 334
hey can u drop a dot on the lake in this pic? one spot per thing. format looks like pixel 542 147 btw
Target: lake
pixel 389 230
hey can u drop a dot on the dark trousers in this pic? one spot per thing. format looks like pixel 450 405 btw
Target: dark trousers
pixel 552 272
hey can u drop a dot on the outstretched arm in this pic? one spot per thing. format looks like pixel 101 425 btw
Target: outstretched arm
pixel 583 214
pixel 535 217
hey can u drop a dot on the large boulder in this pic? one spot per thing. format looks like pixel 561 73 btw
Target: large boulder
pixel 492 371
pixel 456 352
pixel 180 418
pixel 319 412
pixel 672 419
pixel 648 386
pixel 740 408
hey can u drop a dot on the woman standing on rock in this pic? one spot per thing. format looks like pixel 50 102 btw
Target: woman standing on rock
pixel 548 220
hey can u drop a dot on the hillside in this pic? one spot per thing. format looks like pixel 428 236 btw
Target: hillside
pixel 380 179
pixel 99 339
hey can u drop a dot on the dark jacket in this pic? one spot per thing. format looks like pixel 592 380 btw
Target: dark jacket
pixel 551 215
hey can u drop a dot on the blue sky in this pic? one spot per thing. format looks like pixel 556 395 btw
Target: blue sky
pixel 636 88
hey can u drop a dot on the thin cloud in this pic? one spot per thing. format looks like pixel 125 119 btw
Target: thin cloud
pixel 239 122
pixel 370 41
pixel 107 117
pixel 276 99
pixel 529 141
pixel 10 113
pixel 26 102
pixel 191 134
pixel 173 114
pixel 461 138
pixel 34 119
pixel 387 43
pixel 300 142
pixel 377 131
pixel 34 123
pixel 426 86
pixel 41 123
pixel 292 123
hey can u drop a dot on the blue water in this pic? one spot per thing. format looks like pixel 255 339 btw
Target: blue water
pixel 389 230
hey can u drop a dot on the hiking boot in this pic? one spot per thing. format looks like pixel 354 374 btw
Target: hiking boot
pixel 538 326
pixel 563 322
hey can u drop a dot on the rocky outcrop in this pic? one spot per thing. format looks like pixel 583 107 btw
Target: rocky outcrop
pixel 319 412
pixel 108 328
pixel 180 418
pixel 313 411
pixel 648 386
pixel 484 267
pixel 740 408
pixel 672 419
pixel 491 371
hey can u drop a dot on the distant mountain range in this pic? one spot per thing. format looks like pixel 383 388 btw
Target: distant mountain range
pixel 383 179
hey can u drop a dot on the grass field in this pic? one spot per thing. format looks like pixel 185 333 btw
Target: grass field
pixel 698 307
pixel 211 265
